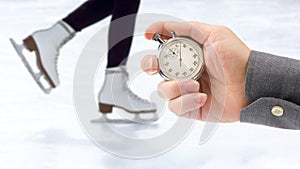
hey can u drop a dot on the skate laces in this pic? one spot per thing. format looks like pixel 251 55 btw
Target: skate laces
pixel 131 94
pixel 56 62
pixel 65 40
pixel 137 97
pixel 68 30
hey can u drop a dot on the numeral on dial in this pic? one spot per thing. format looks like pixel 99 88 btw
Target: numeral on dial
pixel 195 63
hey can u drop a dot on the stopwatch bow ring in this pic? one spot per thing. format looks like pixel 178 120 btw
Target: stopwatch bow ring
pixel 157 37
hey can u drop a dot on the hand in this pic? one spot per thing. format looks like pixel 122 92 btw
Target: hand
pixel 219 94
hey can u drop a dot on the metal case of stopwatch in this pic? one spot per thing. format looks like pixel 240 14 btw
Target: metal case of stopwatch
pixel 192 42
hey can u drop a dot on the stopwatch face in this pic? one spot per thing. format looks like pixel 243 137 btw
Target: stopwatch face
pixel 181 58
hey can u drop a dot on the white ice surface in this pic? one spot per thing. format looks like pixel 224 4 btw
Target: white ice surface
pixel 39 131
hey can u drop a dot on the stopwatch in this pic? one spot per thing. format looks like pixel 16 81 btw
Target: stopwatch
pixel 179 58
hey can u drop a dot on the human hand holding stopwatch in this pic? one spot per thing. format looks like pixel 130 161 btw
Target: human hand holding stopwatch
pixel 204 67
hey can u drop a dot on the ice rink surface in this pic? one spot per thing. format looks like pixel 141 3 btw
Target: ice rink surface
pixel 39 131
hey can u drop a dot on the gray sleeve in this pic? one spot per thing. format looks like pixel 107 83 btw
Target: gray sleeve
pixel 272 81
pixel 260 112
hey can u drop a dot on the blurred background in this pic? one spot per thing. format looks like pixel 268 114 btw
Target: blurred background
pixel 40 131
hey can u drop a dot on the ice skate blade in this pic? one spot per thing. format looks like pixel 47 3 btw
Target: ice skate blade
pixel 136 120
pixel 107 109
pixel 105 119
pixel 36 76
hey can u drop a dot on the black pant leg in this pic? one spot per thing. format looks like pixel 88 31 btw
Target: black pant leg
pixel 89 13
pixel 120 51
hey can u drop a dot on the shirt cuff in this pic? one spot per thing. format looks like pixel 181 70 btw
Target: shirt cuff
pixel 272 87
pixel 272 112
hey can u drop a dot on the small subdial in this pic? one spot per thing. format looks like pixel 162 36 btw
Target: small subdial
pixel 173 53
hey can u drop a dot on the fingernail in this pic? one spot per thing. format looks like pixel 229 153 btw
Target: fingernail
pixel 191 86
pixel 200 98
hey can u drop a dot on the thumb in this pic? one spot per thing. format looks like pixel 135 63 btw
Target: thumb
pixel 149 64
pixel 196 30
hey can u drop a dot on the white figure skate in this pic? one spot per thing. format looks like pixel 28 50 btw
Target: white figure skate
pixel 116 93
pixel 46 45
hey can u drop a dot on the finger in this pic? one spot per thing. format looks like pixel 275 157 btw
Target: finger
pixel 194 114
pixel 149 64
pixel 186 103
pixel 173 89
pixel 196 30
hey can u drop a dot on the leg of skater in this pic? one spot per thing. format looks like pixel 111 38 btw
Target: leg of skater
pixel 115 91
pixel 89 13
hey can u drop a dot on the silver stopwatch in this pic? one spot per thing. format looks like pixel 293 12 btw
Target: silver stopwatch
pixel 180 58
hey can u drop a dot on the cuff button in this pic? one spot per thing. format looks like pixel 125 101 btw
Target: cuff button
pixel 277 111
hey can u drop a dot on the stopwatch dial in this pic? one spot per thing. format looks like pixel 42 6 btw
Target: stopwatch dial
pixel 185 62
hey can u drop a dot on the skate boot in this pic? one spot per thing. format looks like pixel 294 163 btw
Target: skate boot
pixel 46 44
pixel 116 93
